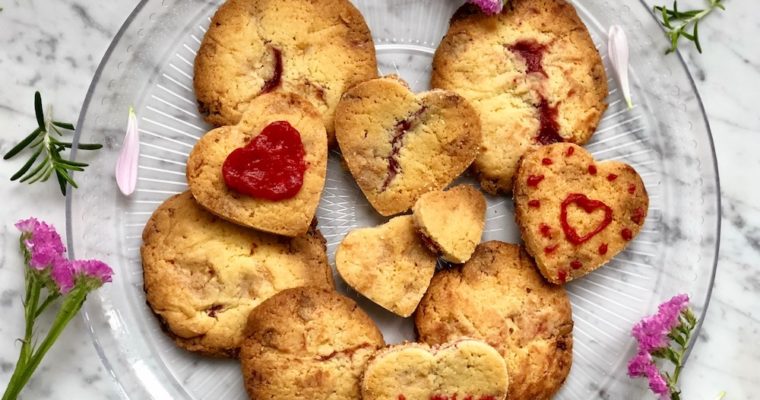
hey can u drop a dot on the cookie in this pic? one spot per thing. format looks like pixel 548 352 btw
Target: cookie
pixel 289 217
pixel 315 48
pixel 463 369
pixel 533 74
pixel 500 298
pixel 307 344
pixel 399 146
pixel 575 214
pixel 203 275
pixel 451 222
pixel 387 264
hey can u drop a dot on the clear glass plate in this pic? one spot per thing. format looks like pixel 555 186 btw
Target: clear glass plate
pixel 149 66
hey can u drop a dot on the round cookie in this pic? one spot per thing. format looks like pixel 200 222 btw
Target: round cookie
pixel 288 217
pixel 500 298
pixel 315 48
pixel 399 145
pixel 464 369
pixel 203 275
pixel 575 214
pixel 533 74
pixel 451 222
pixel 388 264
pixel 306 344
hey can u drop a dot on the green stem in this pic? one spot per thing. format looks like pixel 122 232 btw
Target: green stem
pixel 33 287
pixel 51 298
pixel 69 308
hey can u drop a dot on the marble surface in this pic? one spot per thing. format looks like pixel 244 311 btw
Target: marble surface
pixel 56 46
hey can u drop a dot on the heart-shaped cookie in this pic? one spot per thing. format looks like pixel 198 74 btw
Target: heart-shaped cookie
pixel 253 151
pixel 387 264
pixel 576 214
pixel 399 146
pixel 465 369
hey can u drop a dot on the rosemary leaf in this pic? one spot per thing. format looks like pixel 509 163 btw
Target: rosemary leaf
pixel 16 149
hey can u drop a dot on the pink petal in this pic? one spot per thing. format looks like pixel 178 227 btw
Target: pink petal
pixel 126 165
pixel 618 52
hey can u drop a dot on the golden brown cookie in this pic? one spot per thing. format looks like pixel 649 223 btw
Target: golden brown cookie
pixel 451 222
pixel 307 344
pixel 399 146
pixel 532 73
pixel 203 275
pixel 289 217
pixel 463 369
pixel 315 48
pixel 387 264
pixel 576 214
pixel 500 298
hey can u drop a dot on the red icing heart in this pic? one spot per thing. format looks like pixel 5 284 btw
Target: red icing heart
pixel 589 206
pixel 271 166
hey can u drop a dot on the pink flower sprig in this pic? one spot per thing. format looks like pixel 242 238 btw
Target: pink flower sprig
pixel 49 272
pixel 665 336
pixel 490 7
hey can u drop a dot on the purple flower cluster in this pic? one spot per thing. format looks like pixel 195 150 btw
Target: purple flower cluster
pixel 489 7
pixel 46 254
pixel 651 333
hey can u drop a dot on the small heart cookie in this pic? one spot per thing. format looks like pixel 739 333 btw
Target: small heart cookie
pixel 399 146
pixel 576 214
pixel 451 222
pixel 387 264
pixel 463 369
pixel 252 149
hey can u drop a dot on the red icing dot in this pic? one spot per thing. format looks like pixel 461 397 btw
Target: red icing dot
pixel 638 216
pixel 575 264
pixel 611 177
pixel 534 180
pixel 626 234
pixel 569 152
pixel 550 249
pixel 562 276
pixel 592 169
pixel 547 161
pixel 545 230
pixel 603 248
pixel 589 206
pixel 271 166
pixel 534 203
pixel 631 188
pixel 401 397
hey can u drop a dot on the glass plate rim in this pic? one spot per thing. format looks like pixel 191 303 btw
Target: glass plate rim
pixel 127 23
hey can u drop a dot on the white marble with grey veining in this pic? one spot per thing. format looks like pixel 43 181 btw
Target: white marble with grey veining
pixel 55 47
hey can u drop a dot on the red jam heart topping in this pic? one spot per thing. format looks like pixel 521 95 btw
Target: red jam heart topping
pixel 589 206
pixel 271 166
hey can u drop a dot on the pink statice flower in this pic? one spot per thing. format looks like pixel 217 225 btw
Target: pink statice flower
pixel 643 366
pixel 62 275
pixel 42 242
pixel 651 333
pixel 489 7
pixel 93 272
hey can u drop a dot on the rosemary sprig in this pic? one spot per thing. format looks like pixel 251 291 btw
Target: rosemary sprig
pixel 677 23
pixel 46 151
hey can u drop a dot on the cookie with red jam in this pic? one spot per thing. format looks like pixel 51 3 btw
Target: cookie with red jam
pixel 575 214
pixel 315 48
pixel 267 172
pixel 399 145
pixel 533 74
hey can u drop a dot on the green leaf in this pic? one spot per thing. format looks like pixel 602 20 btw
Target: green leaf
pixel 40 174
pixel 26 166
pixel 72 163
pixel 61 182
pixel 64 125
pixel 22 144
pixel 35 171
pixel 38 110
pixel 65 176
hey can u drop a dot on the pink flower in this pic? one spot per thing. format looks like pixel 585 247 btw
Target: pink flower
pixel 652 332
pixel 42 242
pixel 643 366
pixel 489 7
pixel 93 271
pixel 63 275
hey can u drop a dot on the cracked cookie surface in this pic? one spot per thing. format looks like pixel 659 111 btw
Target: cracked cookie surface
pixel 533 74
pixel 499 297
pixel 306 344
pixel 399 145
pixel 203 275
pixel 315 48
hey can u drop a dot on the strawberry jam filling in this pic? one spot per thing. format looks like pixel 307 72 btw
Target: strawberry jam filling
pixel 274 81
pixel 588 206
pixel 533 54
pixel 397 138
pixel 271 166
